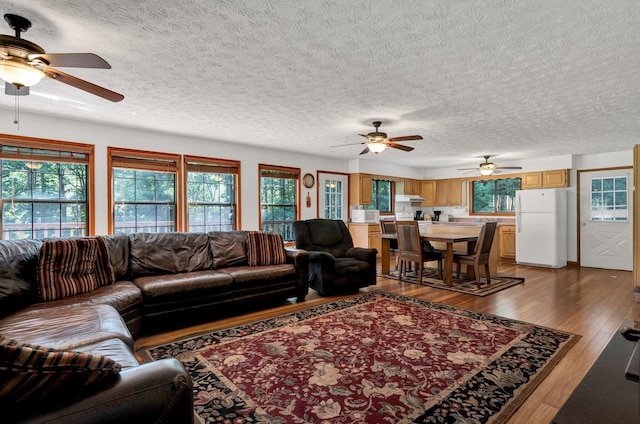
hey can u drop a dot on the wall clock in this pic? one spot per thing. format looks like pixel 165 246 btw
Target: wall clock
pixel 308 180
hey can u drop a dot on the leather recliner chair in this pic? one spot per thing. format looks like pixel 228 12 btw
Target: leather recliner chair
pixel 335 265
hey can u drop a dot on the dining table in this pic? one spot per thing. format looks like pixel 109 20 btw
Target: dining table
pixel 448 238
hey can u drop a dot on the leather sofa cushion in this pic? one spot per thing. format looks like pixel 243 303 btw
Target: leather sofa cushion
pixel 265 274
pixel 228 248
pixel 66 327
pixel 31 371
pixel 115 349
pixel 347 265
pixel 169 253
pixel 18 271
pixel 156 288
pixel 323 235
pixel 118 246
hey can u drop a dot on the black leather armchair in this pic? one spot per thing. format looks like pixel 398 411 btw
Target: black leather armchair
pixel 335 266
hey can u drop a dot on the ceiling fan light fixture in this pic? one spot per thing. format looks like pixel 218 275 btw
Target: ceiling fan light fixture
pixel 486 171
pixel 20 74
pixel 376 147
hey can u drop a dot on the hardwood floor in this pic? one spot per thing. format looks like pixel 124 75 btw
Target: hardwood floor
pixel 586 301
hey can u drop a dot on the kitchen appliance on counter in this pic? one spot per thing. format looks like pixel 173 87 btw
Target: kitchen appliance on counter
pixel 541 227
pixel 436 215
pixel 364 216
pixel 407 207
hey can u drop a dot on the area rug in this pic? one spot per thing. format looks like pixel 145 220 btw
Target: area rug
pixel 372 358
pixel 430 279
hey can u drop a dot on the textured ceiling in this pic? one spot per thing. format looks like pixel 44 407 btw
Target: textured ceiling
pixel 513 78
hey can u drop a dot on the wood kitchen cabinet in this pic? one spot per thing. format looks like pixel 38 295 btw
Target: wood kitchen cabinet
pixel 545 179
pixel 366 235
pixel 449 192
pixel 360 189
pixel 411 186
pixel 507 241
pixel 428 192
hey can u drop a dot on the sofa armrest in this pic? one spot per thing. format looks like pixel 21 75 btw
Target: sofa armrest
pixel 362 254
pixel 157 392
pixel 322 257
pixel 300 259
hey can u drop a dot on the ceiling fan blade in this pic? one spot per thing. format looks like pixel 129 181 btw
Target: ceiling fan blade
pixel 83 85
pixel 72 60
pixel 348 144
pixel 468 169
pixel 367 136
pixel 12 90
pixel 508 167
pixel 406 138
pixel 365 151
pixel 400 147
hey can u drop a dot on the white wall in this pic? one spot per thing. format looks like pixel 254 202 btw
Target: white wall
pixel 33 125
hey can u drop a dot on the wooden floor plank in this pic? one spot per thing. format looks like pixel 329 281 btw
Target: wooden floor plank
pixel 587 301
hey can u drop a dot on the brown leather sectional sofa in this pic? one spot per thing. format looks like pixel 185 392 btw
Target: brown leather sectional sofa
pixel 161 281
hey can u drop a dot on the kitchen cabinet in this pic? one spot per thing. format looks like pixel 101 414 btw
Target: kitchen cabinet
pixel 411 186
pixel 428 192
pixel 507 241
pixel 449 192
pixel 366 235
pixel 545 179
pixel 360 189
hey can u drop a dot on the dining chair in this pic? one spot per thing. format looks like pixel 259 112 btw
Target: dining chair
pixel 389 227
pixel 410 249
pixel 480 255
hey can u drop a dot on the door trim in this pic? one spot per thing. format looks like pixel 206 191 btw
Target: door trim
pixel 578 173
pixel 318 172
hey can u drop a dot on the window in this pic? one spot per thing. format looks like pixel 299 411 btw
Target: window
pixel 494 195
pixel 609 199
pixel 144 191
pixel 333 195
pixel 279 199
pixel 45 188
pixel 212 195
pixel 381 196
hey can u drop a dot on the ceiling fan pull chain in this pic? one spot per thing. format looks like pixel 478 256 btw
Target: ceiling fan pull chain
pixel 16 112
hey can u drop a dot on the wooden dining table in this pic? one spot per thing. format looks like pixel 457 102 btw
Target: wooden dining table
pixel 448 238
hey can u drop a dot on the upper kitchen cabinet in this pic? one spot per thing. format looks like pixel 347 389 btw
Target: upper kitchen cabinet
pixel 428 192
pixel 360 189
pixel 412 186
pixel 546 179
pixel 449 192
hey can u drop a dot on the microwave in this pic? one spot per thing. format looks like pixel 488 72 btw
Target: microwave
pixel 365 216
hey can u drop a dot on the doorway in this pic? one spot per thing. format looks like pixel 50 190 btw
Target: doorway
pixel 333 195
pixel 606 218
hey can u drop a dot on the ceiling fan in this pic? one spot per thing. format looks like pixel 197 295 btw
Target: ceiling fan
pixel 377 141
pixel 23 64
pixel 488 168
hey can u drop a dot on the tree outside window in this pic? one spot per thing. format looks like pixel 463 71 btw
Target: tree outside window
pixel 381 196
pixel 44 191
pixel 211 194
pixel 495 196
pixel 279 199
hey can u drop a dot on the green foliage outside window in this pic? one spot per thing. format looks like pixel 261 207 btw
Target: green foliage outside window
pixel 144 201
pixel 43 199
pixel 381 196
pixel 212 201
pixel 278 205
pixel 494 196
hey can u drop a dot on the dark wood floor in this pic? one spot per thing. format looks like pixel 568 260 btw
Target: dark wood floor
pixel 586 301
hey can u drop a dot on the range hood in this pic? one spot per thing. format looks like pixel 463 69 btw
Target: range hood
pixel 411 198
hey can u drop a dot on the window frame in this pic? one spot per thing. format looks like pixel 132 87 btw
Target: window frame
pixel 296 175
pixel 143 160
pixel 227 166
pixel 86 150
pixel 375 198
pixel 495 179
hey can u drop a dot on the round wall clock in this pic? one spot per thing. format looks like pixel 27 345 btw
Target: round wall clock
pixel 308 180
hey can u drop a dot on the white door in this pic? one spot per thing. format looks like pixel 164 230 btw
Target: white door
pixel 333 196
pixel 606 219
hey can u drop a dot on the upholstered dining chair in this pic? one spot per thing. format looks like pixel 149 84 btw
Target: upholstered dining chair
pixel 410 249
pixel 481 253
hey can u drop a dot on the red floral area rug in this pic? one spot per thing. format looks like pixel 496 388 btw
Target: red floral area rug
pixel 461 285
pixel 373 358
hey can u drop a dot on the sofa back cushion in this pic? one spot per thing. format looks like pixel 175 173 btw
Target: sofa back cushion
pixel 228 248
pixel 18 274
pixel 118 245
pixel 323 235
pixel 168 253
pixel 29 371
pixel 67 267
pixel 265 249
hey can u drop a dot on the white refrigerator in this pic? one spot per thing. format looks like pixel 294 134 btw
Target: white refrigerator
pixel 541 227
